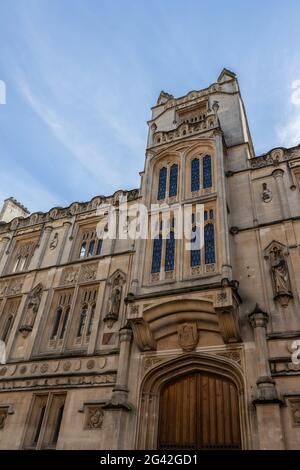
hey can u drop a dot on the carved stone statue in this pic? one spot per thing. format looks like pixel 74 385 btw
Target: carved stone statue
pixel 32 307
pixel 54 242
pixel 114 302
pixel 280 276
pixel 280 272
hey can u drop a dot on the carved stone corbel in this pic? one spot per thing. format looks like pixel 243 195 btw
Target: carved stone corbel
pixel 143 335
pixel 226 307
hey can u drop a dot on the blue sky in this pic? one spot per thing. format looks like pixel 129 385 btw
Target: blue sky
pixel 81 76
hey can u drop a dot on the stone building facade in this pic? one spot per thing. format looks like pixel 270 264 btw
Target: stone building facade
pixel 140 343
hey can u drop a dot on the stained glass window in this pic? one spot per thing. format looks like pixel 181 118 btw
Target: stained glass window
pixel 156 256
pixel 170 252
pixel 82 250
pixel 209 240
pixel 207 176
pixel 99 246
pixel 195 254
pixel 162 183
pixel 173 180
pixel 195 174
pixel 91 248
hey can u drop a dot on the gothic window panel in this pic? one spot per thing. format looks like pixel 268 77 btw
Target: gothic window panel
pixel 7 318
pixel 22 255
pixel 65 322
pixel 173 180
pixel 195 174
pixel 170 252
pixel 84 319
pixel 207 172
pixel 45 420
pixel 162 183
pixel 56 322
pixel 156 254
pixel 88 243
pixel 60 319
pixel 209 243
pixel 89 331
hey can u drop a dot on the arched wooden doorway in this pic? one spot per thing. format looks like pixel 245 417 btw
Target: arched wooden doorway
pixel 199 411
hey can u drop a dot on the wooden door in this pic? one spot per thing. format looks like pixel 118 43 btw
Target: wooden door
pixel 199 411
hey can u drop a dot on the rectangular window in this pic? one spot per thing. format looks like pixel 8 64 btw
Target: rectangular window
pixel 45 421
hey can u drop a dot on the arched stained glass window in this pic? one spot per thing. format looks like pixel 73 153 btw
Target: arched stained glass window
pixel 162 183
pixel 156 255
pixel 207 176
pixel 173 180
pixel 170 252
pixel 209 241
pixel 91 248
pixel 82 250
pixel 195 254
pixel 195 174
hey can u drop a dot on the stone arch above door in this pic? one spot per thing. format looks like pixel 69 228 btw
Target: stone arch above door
pixel 158 377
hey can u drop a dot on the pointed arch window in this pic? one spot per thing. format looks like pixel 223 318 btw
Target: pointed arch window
pixel 170 250
pixel 207 173
pixel 195 174
pixel 82 321
pixel 82 250
pixel 85 316
pixel 56 322
pixel 22 255
pixel 195 259
pixel 209 242
pixel 156 254
pixel 89 244
pixel 60 318
pixel 162 183
pixel 173 180
pixel 91 248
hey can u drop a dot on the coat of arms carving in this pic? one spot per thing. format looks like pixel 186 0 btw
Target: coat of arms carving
pixel 188 336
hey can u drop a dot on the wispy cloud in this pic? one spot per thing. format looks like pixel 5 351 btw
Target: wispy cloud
pixel 289 133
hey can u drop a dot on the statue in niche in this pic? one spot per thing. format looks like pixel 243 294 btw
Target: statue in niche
pixel 33 303
pixel 280 276
pixel 54 242
pixel 114 302
pixel 266 194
